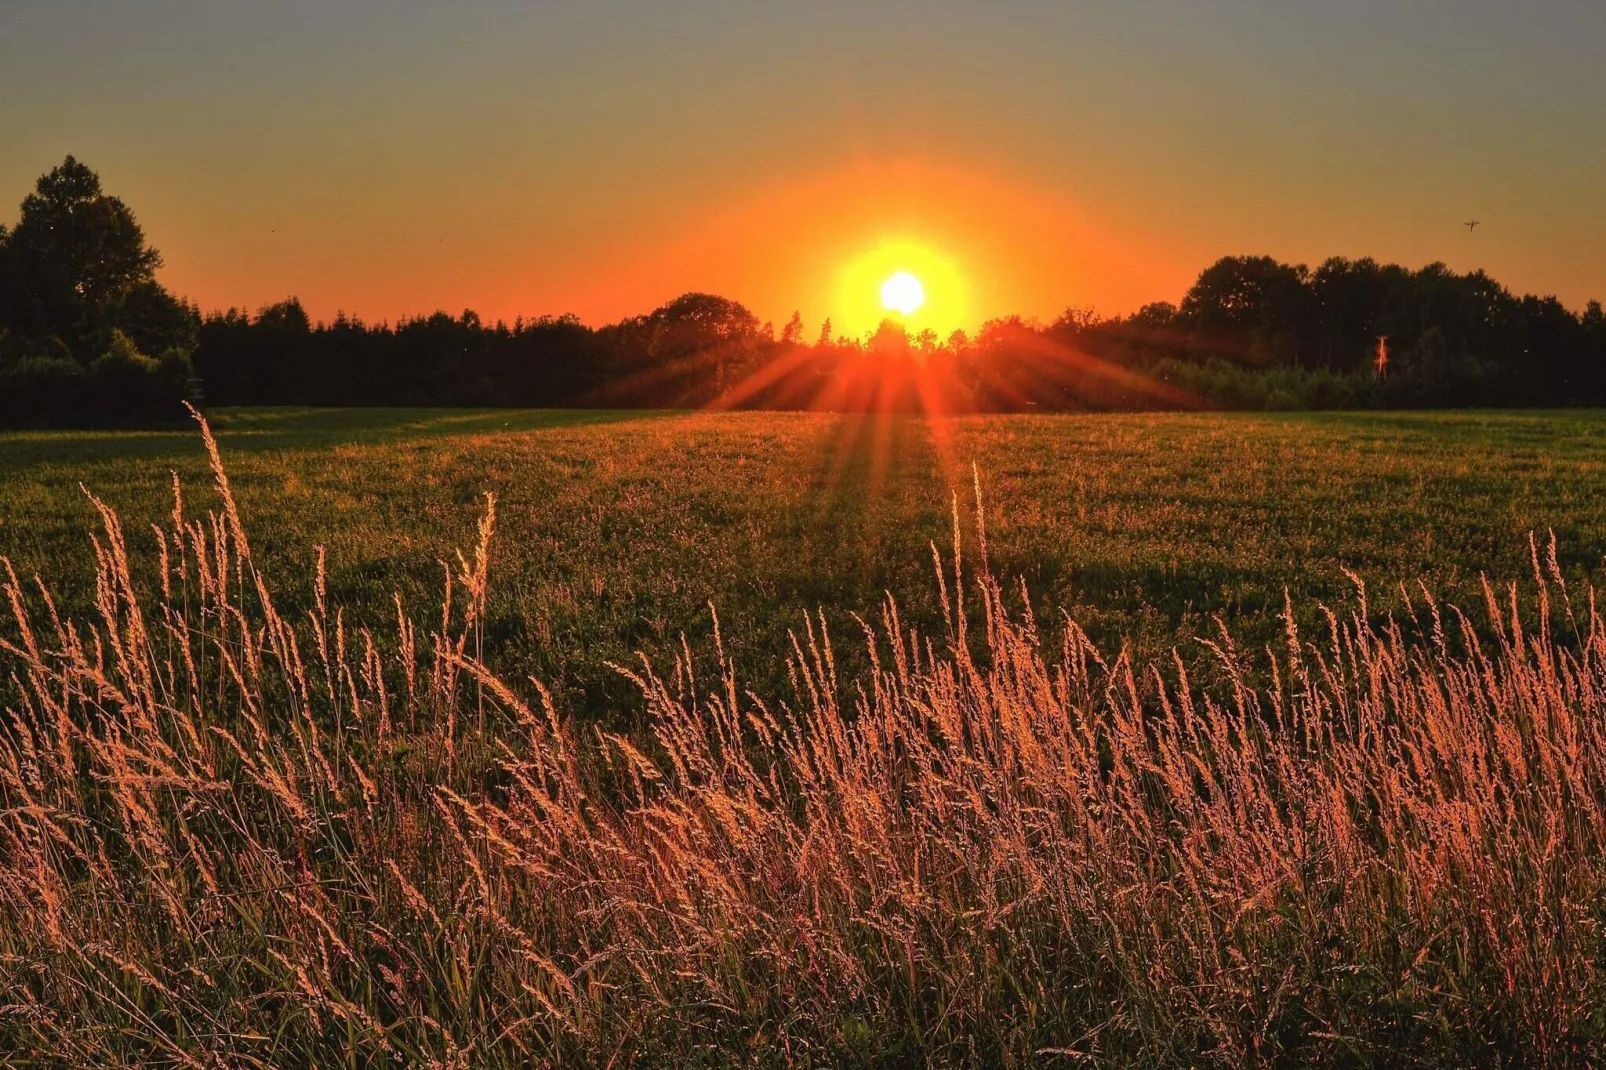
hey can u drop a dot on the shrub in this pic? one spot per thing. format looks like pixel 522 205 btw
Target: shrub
pixel 127 388
pixel 35 390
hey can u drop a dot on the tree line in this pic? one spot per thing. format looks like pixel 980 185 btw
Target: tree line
pixel 88 336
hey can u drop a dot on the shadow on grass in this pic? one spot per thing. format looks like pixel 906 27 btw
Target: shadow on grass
pixel 298 429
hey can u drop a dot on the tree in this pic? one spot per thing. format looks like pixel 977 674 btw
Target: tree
pixel 890 340
pixel 282 367
pixel 1156 314
pixel 1074 321
pixel 1351 303
pixel 792 333
pixel 695 321
pixel 91 337
pixel 1251 308
pixel 74 257
pixel 156 321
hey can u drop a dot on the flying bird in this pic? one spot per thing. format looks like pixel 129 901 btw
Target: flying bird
pixel 1472 226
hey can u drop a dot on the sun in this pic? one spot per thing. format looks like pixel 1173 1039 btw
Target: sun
pixel 903 293
pixel 908 279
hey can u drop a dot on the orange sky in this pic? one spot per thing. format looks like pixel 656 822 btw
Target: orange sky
pixel 393 157
pixel 818 242
pixel 799 243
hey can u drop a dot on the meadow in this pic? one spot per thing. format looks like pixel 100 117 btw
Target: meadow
pixel 620 530
pixel 1052 778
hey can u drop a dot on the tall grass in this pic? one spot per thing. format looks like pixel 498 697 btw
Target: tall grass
pixel 228 837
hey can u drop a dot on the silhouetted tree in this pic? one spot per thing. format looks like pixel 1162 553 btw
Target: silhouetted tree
pixel 89 334
pixel 792 334
pixel 1252 309
pixel 75 255
pixel 890 341
pixel 1350 299
pixel 1456 339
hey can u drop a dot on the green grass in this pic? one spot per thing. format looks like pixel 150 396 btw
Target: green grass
pixel 619 529
pixel 236 835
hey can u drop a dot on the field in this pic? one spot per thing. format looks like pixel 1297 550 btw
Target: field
pixel 618 530
pixel 254 813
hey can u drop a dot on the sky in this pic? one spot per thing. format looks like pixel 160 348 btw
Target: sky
pixel 389 159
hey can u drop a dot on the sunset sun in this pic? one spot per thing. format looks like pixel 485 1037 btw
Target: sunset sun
pixel 913 280
pixel 903 294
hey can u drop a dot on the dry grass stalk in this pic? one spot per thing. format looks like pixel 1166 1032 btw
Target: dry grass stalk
pixel 218 850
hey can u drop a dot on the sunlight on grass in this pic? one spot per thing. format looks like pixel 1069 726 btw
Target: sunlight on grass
pixel 233 834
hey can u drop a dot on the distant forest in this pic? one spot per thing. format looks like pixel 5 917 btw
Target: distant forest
pixel 89 337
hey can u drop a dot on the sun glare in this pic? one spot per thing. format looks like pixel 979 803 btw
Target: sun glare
pixel 903 294
pixel 907 279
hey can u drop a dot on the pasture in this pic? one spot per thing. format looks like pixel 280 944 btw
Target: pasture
pixel 236 828
pixel 618 530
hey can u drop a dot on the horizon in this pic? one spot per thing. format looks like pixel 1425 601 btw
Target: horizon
pixel 889 316
pixel 1011 531
pixel 390 162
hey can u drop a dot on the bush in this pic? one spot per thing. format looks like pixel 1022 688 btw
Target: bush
pixel 126 388
pixel 36 391
pixel 43 386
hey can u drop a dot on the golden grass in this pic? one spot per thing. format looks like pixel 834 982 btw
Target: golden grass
pixel 232 838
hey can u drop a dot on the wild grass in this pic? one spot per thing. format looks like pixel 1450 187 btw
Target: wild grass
pixel 233 836
pixel 619 529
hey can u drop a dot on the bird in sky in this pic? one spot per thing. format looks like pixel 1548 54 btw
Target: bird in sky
pixel 1473 226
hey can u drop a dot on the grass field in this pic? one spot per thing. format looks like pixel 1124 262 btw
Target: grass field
pixel 239 828
pixel 620 529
